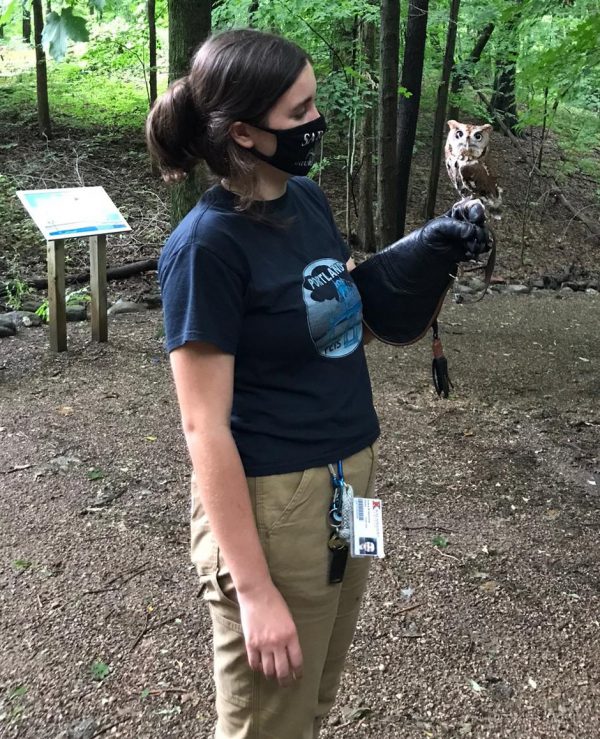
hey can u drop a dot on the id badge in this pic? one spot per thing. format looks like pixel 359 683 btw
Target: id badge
pixel 367 528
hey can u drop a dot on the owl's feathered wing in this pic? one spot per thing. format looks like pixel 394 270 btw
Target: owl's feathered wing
pixel 474 178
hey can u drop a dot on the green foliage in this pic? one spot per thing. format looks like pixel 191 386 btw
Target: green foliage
pixel 100 670
pixel 327 31
pixel 14 704
pixel 95 474
pixel 120 46
pixel 8 9
pixel 16 291
pixel 18 692
pixel 88 97
pixel 75 297
pixel 22 564
pixel 59 28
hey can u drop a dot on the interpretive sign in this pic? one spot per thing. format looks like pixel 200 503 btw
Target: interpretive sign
pixel 72 212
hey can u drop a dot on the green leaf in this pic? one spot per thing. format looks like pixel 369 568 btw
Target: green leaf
pixel 76 25
pixel 22 564
pixel 100 670
pixel 60 28
pixel 18 692
pixel 95 474
pixel 7 8
pixel 440 541
pixel 43 311
pixel 144 694
pixel 54 36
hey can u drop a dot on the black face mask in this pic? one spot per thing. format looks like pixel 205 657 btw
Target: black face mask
pixel 295 146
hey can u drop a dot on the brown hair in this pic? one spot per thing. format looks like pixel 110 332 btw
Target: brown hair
pixel 235 76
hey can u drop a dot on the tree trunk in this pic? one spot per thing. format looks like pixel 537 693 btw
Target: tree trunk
pixel 440 111
pixel 408 107
pixel 189 25
pixel 41 73
pixel 151 10
pixel 504 101
pixel 26 25
pixel 366 190
pixel 460 77
pixel 388 100
pixel 252 10
pixel 351 147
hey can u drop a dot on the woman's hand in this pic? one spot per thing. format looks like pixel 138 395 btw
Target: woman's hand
pixel 270 633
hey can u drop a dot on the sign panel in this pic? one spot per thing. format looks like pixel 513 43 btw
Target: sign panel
pixel 72 212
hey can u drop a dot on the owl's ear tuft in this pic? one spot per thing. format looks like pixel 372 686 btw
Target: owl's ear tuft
pixel 487 127
pixel 453 124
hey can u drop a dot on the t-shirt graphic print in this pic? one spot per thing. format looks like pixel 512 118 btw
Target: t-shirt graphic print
pixel 333 307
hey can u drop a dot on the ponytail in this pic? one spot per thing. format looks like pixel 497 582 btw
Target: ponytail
pixel 176 131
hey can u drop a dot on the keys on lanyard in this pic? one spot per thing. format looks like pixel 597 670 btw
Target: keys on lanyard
pixel 337 545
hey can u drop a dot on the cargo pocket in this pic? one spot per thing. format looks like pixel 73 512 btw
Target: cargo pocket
pixel 233 676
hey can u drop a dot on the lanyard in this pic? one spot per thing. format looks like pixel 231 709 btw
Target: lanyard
pixel 337 546
pixel 337 480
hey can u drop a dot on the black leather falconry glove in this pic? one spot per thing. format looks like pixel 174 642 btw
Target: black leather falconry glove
pixel 403 286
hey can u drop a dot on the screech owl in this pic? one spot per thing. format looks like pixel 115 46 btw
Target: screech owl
pixel 466 152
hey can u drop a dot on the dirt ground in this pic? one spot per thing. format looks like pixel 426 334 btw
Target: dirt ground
pixel 482 620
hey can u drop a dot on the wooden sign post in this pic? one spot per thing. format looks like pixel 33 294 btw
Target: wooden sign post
pixel 66 214
pixel 57 309
pixel 98 288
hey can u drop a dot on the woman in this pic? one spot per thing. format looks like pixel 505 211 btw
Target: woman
pixel 263 326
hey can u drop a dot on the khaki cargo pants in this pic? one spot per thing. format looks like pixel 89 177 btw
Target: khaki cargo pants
pixel 291 515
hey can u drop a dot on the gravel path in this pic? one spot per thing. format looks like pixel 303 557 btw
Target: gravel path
pixel 482 621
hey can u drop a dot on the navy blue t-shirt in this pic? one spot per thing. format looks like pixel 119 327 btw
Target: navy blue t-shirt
pixel 279 298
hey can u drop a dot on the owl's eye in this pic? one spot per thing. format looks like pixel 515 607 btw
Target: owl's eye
pixel 459 134
pixel 477 136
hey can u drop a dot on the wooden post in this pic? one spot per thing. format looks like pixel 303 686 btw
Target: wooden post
pixel 98 287
pixel 57 314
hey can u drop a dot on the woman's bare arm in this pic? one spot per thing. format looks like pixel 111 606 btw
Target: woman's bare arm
pixel 204 383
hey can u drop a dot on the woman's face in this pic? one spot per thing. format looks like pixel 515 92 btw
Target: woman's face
pixel 297 104
pixel 295 107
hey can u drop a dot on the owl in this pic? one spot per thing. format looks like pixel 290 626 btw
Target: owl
pixel 466 163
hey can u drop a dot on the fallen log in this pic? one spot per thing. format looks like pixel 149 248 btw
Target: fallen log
pixel 112 273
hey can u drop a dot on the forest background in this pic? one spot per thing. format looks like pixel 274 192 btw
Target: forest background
pixel 389 75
